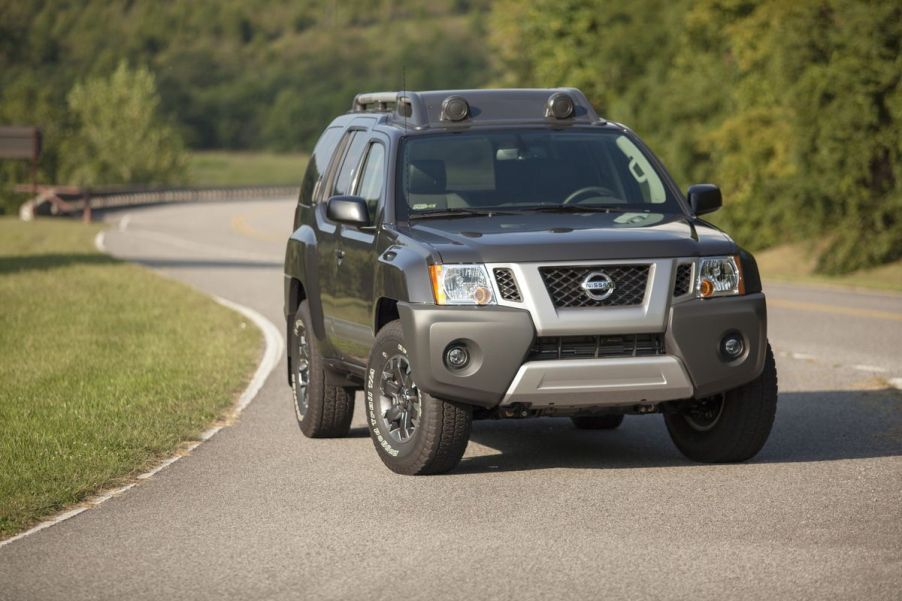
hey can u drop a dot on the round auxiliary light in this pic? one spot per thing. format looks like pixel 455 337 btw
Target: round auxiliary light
pixel 456 356
pixel 455 108
pixel 560 106
pixel 732 346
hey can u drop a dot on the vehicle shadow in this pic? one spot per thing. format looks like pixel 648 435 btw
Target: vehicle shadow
pixel 810 426
pixel 45 262
pixel 159 263
pixel 358 432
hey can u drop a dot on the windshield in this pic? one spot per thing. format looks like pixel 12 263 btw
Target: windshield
pixel 470 172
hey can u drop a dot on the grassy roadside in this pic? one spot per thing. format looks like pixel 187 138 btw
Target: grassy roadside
pixel 236 168
pixel 795 263
pixel 105 367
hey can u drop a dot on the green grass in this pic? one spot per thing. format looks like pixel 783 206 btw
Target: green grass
pixel 234 168
pixel 105 367
pixel 795 263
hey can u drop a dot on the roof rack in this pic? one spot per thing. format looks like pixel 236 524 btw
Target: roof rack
pixel 374 101
pixel 484 107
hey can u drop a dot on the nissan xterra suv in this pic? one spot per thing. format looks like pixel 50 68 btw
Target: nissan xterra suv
pixel 484 254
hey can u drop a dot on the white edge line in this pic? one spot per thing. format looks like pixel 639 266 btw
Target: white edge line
pixel 273 346
pixel 871 368
pixel 896 383
pixel 272 352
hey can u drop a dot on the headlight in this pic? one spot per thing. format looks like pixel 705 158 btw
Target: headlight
pixel 719 276
pixel 461 285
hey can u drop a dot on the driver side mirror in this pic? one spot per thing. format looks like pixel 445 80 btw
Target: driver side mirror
pixel 348 210
pixel 704 198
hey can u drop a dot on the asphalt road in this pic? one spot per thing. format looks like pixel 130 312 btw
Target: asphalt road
pixel 537 510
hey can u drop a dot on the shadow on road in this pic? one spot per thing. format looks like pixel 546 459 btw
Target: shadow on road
pixel 359 432
pixel 13 264
pixel 206 263
pixel 810 426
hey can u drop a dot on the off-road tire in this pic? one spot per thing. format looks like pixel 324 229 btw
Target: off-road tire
pixel 742 427
pixel 443 430
pixel 597 422
pixel 329 408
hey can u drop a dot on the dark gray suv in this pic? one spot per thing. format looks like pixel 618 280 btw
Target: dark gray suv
pixel 482 254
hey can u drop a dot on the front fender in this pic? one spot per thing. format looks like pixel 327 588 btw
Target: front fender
pixel 300 264
pixel 402 274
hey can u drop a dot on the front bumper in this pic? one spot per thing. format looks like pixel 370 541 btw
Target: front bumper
pixel 599 382
pixel 500 339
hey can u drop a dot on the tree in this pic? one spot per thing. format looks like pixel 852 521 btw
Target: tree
pixel 794 108
pixel 118 136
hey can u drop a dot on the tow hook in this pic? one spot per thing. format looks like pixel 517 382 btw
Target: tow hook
pixel 643 409
pixel 516 410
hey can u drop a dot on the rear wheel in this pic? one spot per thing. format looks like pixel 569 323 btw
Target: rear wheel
pixel 728 427
pixel 413 432
pixel 597 422
pixel 323 410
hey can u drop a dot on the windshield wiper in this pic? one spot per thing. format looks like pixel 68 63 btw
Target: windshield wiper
pixel 468 212
pixel 578 209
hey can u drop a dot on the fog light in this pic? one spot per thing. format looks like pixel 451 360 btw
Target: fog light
pixel 456 356
pixel 732 346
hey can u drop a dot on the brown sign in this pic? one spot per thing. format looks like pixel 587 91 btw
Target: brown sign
pixel 20 142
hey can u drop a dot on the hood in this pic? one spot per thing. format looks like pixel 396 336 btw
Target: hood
pixel 568 237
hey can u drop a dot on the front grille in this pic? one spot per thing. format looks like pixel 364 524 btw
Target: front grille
pixel 563 284
pixel 683 282
pixel 507 285
pixel 596 347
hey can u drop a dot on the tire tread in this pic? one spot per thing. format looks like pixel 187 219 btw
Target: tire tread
pixel 329 408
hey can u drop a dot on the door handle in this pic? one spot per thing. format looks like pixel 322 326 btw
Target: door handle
pixel 339 254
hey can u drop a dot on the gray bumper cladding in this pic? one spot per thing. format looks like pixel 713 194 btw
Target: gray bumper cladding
pixel 497 339
pixel 696 329
pixel 599 382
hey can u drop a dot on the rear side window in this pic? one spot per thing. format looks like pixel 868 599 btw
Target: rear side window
pixel 319 162
pixel 350 164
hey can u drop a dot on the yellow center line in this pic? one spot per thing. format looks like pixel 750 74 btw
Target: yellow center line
pixel 241 226
pixel 802 306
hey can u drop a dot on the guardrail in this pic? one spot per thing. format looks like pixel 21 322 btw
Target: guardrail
pixel 69 200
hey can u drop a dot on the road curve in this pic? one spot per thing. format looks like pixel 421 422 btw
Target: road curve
pixel 537 510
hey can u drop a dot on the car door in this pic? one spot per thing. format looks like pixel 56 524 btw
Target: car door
pixel 333 291
pixel 353 324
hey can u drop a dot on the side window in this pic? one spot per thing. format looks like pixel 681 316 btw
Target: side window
pixel 319 162
pixel 373 178
pixel 350 164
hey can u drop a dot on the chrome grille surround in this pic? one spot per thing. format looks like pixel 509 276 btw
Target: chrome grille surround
pixel 649 317
pixel 563 284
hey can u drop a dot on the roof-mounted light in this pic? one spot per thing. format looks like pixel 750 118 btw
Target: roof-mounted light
pixel 455 108
pixel 559 106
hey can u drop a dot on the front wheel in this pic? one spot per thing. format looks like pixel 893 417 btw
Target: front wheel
pixel 729 427
pixel 413 432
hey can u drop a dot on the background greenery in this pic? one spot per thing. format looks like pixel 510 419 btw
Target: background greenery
pixel 794 108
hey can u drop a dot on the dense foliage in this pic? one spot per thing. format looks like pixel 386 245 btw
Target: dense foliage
pixel 246 74
pixel 116 136
pixel 794 108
